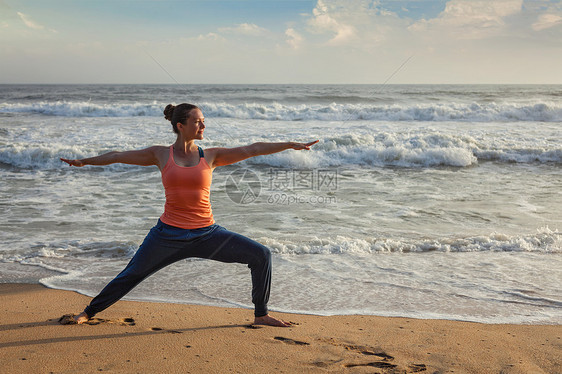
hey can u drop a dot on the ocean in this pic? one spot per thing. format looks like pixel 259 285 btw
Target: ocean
pixel 422 201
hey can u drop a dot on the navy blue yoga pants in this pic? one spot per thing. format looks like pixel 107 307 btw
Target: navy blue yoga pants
pixel 167 244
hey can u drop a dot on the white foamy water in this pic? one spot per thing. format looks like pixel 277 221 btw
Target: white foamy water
pixel 488 112
pixel 418 201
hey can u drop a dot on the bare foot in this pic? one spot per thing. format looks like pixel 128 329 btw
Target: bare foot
pixel 81 318
pixel 270 321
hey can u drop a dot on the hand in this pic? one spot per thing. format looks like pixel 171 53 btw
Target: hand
pixel 299 146
pixel 77 163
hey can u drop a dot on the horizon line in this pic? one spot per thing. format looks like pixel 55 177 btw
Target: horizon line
pixel 272 84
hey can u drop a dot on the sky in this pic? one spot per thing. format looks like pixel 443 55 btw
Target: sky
pixel 281 41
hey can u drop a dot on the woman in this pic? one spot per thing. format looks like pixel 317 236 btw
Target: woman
pixel 187 228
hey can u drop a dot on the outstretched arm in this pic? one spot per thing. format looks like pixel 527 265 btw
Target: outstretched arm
pixel 143 157
pixel 227 156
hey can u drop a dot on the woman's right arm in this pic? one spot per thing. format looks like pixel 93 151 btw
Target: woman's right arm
pixel 142 157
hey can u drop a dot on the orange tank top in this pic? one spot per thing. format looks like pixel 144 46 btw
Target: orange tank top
pixel 188 193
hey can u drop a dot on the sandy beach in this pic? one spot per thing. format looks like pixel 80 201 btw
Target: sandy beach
pixel 143 337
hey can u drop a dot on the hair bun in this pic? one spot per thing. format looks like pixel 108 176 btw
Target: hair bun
pixel 169 111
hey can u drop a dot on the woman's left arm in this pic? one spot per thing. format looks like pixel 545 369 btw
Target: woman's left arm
pixel 227 156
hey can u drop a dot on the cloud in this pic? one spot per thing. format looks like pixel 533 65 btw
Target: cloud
pixel 363 24
pixel 248 29
pixel 335 41
pixel 294 38
pixel 323 21
pixel 473 19
pixel 210 36
pixel 31 24
pixel 546 21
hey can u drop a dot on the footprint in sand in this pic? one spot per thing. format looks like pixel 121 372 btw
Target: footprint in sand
pixel 376 364
pixel 417 368
pixel 327 363
pixel 384 362
pixel 369 351
pixel 68 319
pixel 290 341
pixel 121 321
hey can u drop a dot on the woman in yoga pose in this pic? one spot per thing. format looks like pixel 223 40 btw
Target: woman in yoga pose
pixel 187 227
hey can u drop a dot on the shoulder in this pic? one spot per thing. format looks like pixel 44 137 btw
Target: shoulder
pixel 160 153
pixel 210 154
pixel 212 151
pixel 220 156
pixel 159 149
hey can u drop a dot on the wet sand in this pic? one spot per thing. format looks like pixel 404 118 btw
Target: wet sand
pixel 135 337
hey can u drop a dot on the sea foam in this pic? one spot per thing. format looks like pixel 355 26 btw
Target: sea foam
pixel 543 241
pixel 275 111
pixel 425 149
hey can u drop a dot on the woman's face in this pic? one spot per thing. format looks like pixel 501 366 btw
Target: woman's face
pixel 195 124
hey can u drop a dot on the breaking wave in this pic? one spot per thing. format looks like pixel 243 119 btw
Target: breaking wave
pixel 544 240
pixel 379 150
pixel 474 112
